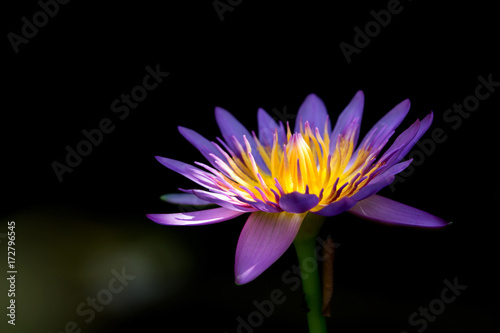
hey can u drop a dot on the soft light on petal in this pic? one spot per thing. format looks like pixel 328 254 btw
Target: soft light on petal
pixel 381 209
pixel 264 238
pixel 200 217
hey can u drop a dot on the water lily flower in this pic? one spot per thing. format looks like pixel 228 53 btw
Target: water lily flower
pixel 281 175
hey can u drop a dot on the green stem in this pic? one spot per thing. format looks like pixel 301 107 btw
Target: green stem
pixel 305 246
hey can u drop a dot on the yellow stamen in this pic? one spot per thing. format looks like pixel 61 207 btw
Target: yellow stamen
pixel 303 162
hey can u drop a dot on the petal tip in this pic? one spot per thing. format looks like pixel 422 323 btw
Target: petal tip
pixel 360 94
pixel 245 277
pixel 312 95
pixel 159 158
pixel 182 129
pixel 186 132
pixel 430 115
pixel 406 103
pixel 153 217
pixel 220 112
pixel 384 210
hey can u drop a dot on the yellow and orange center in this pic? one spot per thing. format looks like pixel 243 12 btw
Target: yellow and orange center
pixel 303 164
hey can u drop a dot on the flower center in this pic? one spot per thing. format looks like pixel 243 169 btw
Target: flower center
pixel 303 164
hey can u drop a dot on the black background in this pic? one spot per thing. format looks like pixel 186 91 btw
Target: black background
pixel 72 234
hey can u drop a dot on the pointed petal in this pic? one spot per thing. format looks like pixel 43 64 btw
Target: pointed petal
pixel 336 207
pixel 393 170
pixel 392 154
pixel 262 206
pixel 393 118
pixel 196 175
pixel 203 145
pixel 378 135
pixel 184 199
pixel 200 217
pixel 314 111
pixel 222 200
pixel 267 126
pixel 381 209
pixel 389 122
pixel 380 181
pixel 281 134
pixel 352 111
pixel 264 238
pixel 424 126
pixel 373 187
pixel 296 202
pixel 229 127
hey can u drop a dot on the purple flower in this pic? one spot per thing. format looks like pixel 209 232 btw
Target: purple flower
pixel 280 176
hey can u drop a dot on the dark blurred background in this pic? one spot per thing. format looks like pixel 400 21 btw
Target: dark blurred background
pixel 74 234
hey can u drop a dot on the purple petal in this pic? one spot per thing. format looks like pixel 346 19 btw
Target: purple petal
pixel 385 178
pixel 336 207
pixel 373 187
pixel 378 135
pixel 221 200
pixel 393 118
pixel 196 175
pixel 352 111
pixel 389 122
pixel 381 209
pixel 184 199
pixel 229 127
pixel 296 202
pixel 264 238
pixel 203 145
pixel 393 170
pixel 314 111
pixel 392 154
pixel 262 206
pixel 424 126
pixel 267 126
pixel 201 217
